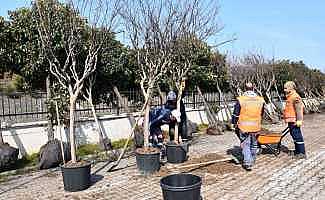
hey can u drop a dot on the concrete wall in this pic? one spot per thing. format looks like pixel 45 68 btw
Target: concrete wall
pixel 29 137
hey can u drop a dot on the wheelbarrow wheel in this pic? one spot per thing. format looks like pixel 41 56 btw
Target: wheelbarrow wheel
pixel 259 150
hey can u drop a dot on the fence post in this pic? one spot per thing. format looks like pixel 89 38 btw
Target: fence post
pixel 194 102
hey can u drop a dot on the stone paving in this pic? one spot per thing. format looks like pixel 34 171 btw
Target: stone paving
pixel 271 178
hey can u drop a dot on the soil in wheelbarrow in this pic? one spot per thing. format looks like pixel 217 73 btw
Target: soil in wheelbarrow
pixel 219 168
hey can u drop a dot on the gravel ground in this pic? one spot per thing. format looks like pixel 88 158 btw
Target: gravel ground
pixel 271 178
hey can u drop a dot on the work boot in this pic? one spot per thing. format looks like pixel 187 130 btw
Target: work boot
pixel 300 156
pixel 247 167
pixel 162 153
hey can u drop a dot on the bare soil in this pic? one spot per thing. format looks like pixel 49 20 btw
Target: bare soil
pixel 77 164
pixel 147 150
pixel 215 169
pixel 213 131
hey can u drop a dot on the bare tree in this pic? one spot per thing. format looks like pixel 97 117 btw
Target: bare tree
pixel 85 25
pixel 163 33
pixel 88 96
pixel 144 22
pixel 254 68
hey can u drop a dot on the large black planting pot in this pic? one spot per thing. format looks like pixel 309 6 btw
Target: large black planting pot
pixel 177 153
pixel 181 186
pixel 76 178
pixel 148 160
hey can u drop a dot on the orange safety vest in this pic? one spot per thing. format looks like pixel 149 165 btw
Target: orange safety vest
pixel 289 113
pixel 250 116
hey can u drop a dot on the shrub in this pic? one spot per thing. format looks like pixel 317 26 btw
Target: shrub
pixel 202 127
pixel 120 143
pixel 87 149
pixel 18 82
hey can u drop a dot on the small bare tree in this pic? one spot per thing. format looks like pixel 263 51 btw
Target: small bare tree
pixel 89 97
pixel 256 69
pixel 77 33
pixel 165 35
pixel 192 23
pixel 144 22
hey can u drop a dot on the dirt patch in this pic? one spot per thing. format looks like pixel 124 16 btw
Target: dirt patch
pixel 219 168
pixel 212 130
pixel 215 168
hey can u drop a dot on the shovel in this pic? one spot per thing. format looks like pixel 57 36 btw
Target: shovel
pixel 129 138
pixel 201 164
pixel 124 148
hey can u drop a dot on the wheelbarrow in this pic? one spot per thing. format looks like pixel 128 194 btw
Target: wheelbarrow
pixel 272 141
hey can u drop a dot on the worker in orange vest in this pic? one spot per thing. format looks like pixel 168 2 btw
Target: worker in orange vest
pixel 247 118
pixel 293 115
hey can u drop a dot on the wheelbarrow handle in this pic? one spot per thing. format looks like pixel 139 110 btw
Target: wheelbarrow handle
pixel 285 132
pixel 287 129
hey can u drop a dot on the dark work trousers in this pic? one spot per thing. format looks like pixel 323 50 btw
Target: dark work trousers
pixel 182 130
pixel 156 139
pixel 297 137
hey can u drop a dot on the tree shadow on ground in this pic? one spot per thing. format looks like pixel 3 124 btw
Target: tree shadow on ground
pixel 95 178
pixel 265 150
pixel 46 173
pixel 236 152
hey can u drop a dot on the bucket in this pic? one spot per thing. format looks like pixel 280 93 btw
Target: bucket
pixel 176 153
pixel 76 178
pixel 181 186
pixel 148 163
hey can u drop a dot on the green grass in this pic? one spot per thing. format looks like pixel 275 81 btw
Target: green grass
pixel 23 165
pixel 26 161
pixel 87 149
pixel 120 143
pixel 202 127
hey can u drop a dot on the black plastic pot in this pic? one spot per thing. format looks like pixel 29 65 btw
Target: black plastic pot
pixel 176 153
pixel 148 163
pixel 76 178
pixel 181 186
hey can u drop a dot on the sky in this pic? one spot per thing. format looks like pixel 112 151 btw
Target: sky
pixel 283 29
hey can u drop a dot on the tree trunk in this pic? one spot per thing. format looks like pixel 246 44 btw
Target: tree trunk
pixel 178 106
pixel 72 128
pixel 228 111
pixel 146 131
pixel 162 97
pixel 128 112
pixel 59 128
pixel 50 132
pixel 99 128
pixel 212 120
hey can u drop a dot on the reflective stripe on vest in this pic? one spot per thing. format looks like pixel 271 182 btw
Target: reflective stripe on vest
pixel 289 113
pixel 250 116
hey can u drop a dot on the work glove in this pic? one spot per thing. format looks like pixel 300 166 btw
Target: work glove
pixel 177 115
pixel 299 123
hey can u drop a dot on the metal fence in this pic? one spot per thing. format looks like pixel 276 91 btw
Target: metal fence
pixel 23 107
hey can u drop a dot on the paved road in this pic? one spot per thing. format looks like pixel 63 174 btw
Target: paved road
pixel 272 177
